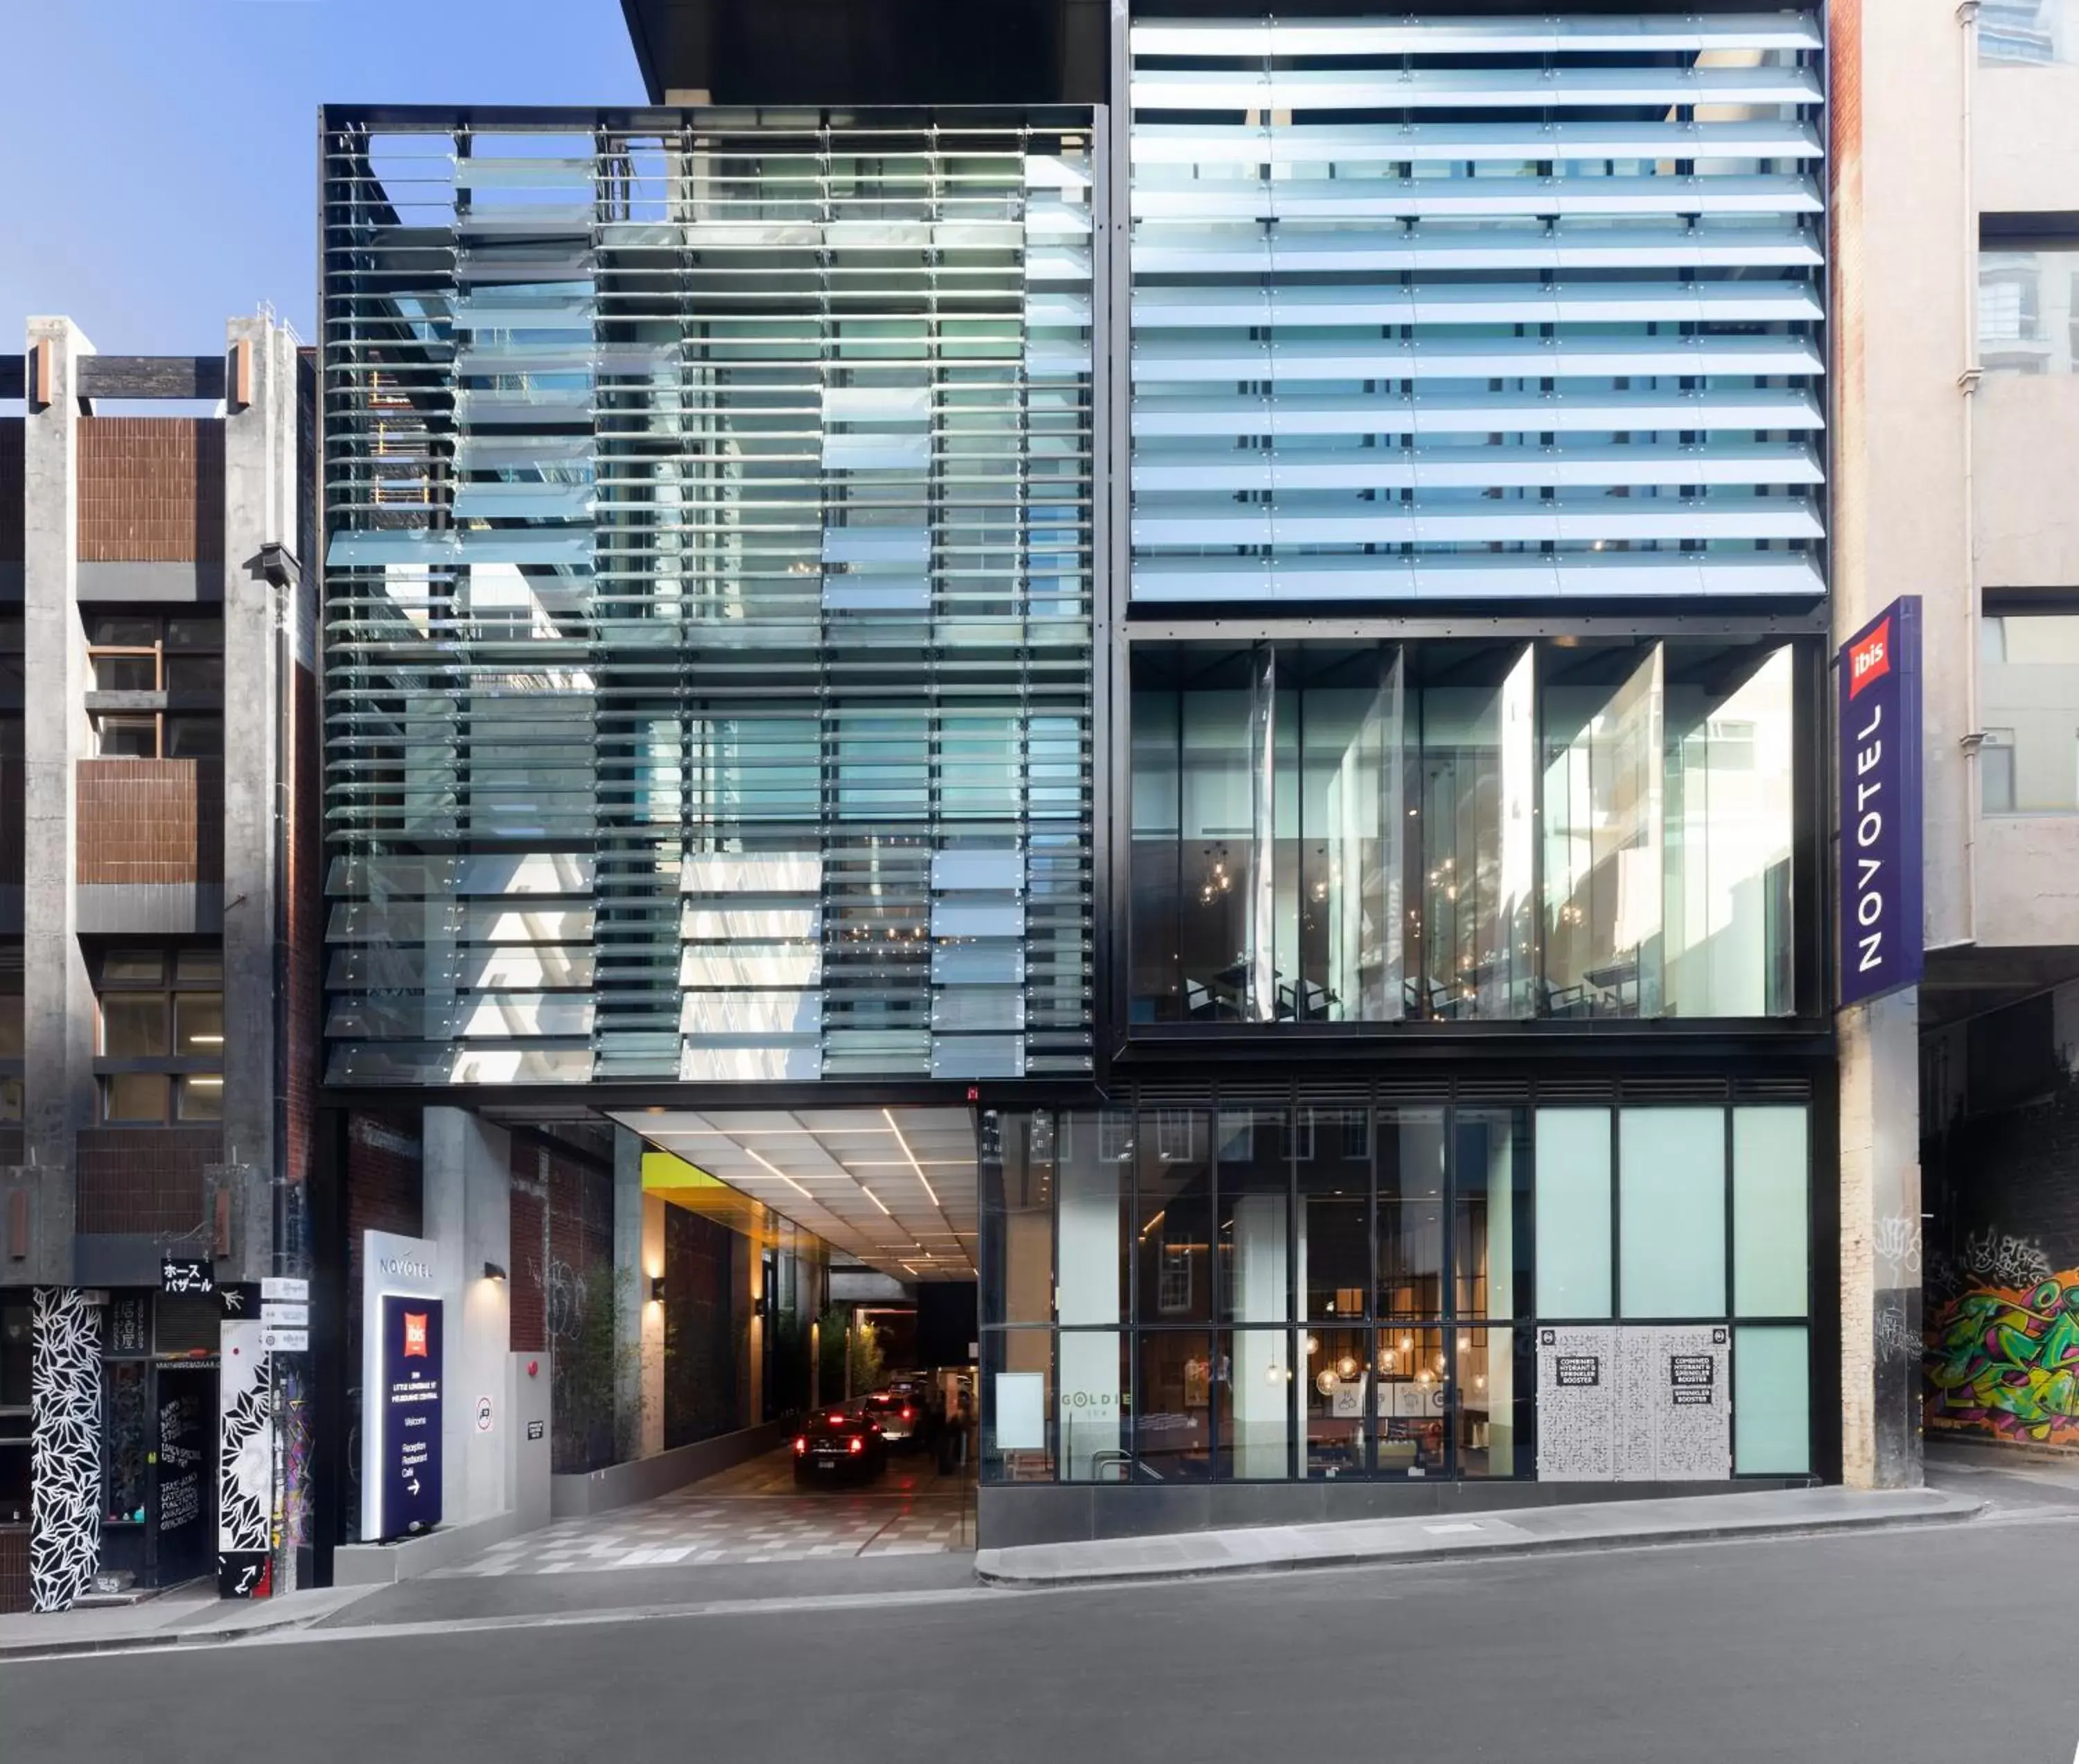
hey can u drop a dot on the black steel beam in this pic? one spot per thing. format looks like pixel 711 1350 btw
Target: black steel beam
pixel 151 376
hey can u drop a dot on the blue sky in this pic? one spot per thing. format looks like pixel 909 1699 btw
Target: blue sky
pixel 160 156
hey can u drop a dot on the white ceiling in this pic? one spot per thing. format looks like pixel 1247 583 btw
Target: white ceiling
pixel 893 1187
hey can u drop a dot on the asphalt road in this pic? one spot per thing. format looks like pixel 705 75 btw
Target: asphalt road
pixel 1935 1645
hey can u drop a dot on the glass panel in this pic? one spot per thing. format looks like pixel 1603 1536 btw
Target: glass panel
pixel 11 1019
pixel 1095 1177
pixel 1334 1248
pixel 132 1438
pixel 119 631
pixel 1770 1272
pixel 1090 1432
pixel 1255 1234
pixel 1573 1213
pixel 199 1024
pixel 1156 986
pixel 1495 1405
pixel 198 966
pixel 1471 869
pixel 1172 1230
pixel 133 966
pixel 1173 1423
pixel 1018 1218
pixel 1336 1370
pixel 2028 33
pixel 1772 1402
pixel 1018 1405
pixel 1411 1212
pixel 1411 1401
pixel 200 1097
pixel 133 1027
pixel 1259 1395
pixel 194 738
pixel 134 1096
pixel 1730 790
pixel 190 632
pixel 2028 318
pixel 1671 1228
pixel 196 673
pixel 1490 1229
pixel 127 738
pixel 126 673
pixel 1215 881
pixel 2029 685
pixel 1602 809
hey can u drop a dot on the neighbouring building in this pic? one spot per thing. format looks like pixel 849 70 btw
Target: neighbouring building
pixel 1958 297
pixel 1174 663
pixel 157 959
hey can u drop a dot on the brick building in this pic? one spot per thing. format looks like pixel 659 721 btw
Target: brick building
pixel 158 709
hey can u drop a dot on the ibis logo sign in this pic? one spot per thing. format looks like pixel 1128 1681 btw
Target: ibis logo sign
pixel 1879 747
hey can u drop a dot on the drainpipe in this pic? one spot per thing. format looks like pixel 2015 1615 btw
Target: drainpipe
pixel 1967 382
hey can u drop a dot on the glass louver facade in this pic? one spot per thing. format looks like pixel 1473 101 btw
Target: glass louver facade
pixel 709 577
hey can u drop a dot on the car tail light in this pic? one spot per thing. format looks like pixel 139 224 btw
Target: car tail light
pixel 855 1445
pixel 837 1418
pixel 800 1446
pixel 909 1415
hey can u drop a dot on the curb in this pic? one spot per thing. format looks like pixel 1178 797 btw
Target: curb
pixel 156 1638
pixel 1512 1548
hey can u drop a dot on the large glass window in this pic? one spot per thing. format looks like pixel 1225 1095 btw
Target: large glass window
pixel 1410 1256
pixel 1771 1204
pixel 1095 1179
pixel 1337 1381
pixel 1172 1231
pixel 1569 830
pixel 1490 1227
pixel 2028 309
pixel 1334 1214
pixel 165 1007
pixel 2028 674
pixel 1573 1213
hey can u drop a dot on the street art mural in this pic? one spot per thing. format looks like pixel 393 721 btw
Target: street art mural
pixel 2004 1361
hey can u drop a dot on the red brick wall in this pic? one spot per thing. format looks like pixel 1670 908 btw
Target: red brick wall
pixel 385 1181
pixel 151 489
pixel 144 1178
pixel 528 1294
pixel 151 820
pixel 10 490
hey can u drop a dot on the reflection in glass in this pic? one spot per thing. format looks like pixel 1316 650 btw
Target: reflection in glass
pixel 2028 33
pixel 1495 1402
pixel 1491 1229
pixel 2028 309
pixel 1469 894
pixel 1172 1230
pixel 1172 1426
pixel 1093 1171
pixel 1092 1411
pixel 1017 1174
pixel 2028 674
pixel 1411 1212
pixel 1725 913
pixel 1335 1209
pixel 1254 1237
pixel 1337 1378
pixel 1603 763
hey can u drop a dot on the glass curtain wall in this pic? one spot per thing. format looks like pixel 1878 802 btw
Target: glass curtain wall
pixel 1244 1293
pixel 1453 830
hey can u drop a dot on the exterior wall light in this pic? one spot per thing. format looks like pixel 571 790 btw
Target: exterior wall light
pixel 492 1270
pixel 656 1289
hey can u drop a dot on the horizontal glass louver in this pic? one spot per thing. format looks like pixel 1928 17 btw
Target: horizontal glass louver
pixel 1477 308
pixel 708 511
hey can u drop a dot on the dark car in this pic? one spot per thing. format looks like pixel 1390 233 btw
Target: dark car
pixel 899 1415
pixel 838 1445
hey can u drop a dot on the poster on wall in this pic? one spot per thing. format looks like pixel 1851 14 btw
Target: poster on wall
pixel 245 1464
pixel 1879 736
pixel 1634 1405
pixel 181 1481
pixel 402 1370
pixel 1577 1405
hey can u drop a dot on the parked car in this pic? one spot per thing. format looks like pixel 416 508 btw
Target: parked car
pixel 899 1414
pixel 838 1445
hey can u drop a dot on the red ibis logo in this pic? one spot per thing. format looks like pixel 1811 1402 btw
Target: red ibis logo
pixel 415 1335
pixel 1870 660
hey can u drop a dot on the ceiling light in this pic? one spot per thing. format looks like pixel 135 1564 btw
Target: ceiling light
pixel 912 1156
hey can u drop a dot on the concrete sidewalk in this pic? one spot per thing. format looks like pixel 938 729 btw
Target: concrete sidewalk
pixel 1597 1525
pixel 186 1616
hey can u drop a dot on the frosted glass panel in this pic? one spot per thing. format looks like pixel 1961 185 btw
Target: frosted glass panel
pixel 1671 1229
pixel 1772 1402
pixel 1770 1253
pixel 1573 1188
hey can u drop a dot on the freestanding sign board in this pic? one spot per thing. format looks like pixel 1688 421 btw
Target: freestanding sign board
pixel 401 1373
pixel 1880 937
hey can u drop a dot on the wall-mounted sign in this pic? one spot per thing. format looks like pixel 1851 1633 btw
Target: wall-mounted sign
pixel 484 1415
pixel 238 1299
pixel 292 1316
pixel 1880 934
pixel 277 1288
pixel 278 1340
pixel 536 1430
pixel 409 1402
pixel 187 1275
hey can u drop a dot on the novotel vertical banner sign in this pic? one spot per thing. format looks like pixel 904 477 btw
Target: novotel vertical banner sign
pixel 1879 747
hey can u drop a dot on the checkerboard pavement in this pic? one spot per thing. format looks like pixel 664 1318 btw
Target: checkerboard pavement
pixel 751 1514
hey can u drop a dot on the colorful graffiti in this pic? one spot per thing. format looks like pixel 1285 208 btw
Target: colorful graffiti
pixel 2005 1360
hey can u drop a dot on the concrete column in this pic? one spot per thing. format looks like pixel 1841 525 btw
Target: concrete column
pixel 469 1214
pixel 639 1324
pixel 1880 1372
pixel 259 471
pixel 58 993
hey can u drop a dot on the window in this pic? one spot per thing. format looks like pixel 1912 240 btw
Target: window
pixel 173 669
pixel 2027 33
pixel 2028 675
pixel 2028 316
pixel 162 1027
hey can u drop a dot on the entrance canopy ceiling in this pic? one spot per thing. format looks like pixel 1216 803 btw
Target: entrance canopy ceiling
pixel 894 1187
